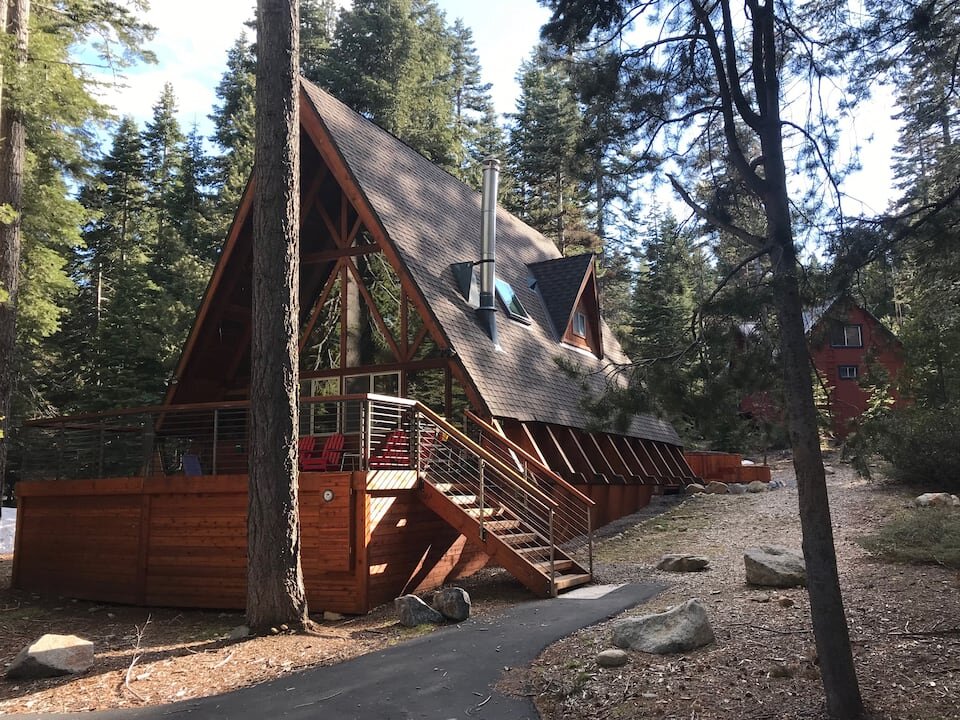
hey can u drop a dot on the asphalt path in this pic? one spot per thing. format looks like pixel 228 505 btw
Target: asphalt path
pixel 440 676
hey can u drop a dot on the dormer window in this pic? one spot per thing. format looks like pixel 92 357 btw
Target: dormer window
pixel 580 324
pixel 511 303
pixel 846 336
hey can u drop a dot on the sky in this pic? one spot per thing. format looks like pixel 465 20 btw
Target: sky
pixel 193 37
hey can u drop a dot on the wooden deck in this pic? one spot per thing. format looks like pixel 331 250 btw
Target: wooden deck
pixel 181 542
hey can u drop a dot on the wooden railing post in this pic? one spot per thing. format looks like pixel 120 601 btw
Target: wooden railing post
pixel 365 430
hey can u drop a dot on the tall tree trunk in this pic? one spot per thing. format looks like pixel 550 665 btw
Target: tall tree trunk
pixel 823 581
pixel 13 150
pixel 275 591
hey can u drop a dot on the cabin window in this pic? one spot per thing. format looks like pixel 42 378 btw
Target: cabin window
pixel 319 418
pixel 848 372
pixel 846 336
pixel 580 324
pixel 511 302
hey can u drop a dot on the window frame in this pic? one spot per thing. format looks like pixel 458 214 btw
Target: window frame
pixel 841 336
pixel 514 308
pixel 848 372
pixel 579 324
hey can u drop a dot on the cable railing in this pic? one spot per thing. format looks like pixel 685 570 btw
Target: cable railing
pixel 505 490
pixel 573 515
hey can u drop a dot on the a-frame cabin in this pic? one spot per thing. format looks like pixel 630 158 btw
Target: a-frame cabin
pixel 435 439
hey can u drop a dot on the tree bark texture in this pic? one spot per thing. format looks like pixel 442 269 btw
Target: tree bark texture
pixel 837 670
pixel 13 144
pixel 275 590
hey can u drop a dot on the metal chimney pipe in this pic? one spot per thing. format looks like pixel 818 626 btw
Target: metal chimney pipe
pixel 488 248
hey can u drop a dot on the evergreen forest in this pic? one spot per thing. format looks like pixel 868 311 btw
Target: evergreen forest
pixel 122 223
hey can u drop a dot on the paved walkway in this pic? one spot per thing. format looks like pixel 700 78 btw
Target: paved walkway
pixel 441 676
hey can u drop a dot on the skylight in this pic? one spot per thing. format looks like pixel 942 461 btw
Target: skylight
pixel 511 302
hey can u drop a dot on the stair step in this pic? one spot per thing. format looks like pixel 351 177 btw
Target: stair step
pixel 486 512
pixel 501 527
pixel 448 488
pixel 558 565
pixel 519 538
pixel 463 500
pixel 571 581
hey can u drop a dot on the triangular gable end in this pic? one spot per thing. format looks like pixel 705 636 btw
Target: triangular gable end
pixel 568 287
pixel 215 357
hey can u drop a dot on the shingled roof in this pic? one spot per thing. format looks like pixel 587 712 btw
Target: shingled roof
pixel 559 282
pixel 433 220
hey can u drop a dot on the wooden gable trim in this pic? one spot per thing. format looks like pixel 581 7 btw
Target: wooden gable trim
pixel 318 308
pixel 239 218
pixel 594 343
pixel 316 130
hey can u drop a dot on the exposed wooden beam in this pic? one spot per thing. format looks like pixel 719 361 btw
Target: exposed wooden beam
pixel 318 308
pixel 575 452
pixel 375 311
pixel 612 454
pixel 328 255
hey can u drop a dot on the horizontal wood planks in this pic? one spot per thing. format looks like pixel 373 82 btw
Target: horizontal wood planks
pixel 411 549
pixel 177 541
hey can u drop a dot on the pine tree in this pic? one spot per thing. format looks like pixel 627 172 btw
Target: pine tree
pixel 477 135
pixel 547 169
pixel 233 123
pixel 391 62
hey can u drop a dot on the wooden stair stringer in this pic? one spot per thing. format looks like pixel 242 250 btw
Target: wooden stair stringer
pixel 509 557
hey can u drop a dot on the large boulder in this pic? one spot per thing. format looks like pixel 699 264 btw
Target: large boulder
pixel 681 628
pixel 453 603
pixel 940 499
pixel 693 489
pixel 736 488
pixel 773 566
pixel 413 611
pixel 683 563
pixel 52 655
pixel 757 486
pixel 715 487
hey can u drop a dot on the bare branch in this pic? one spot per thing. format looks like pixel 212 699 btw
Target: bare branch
pixel 749 238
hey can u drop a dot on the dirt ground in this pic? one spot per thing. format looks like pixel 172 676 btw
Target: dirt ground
pixel 904 620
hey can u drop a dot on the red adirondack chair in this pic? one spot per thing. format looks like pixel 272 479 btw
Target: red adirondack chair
pixel 329 457
pixel 394 452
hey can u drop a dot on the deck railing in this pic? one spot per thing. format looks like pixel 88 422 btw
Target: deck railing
pixel 498 480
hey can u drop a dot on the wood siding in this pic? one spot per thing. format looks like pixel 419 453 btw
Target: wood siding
pixel 182 542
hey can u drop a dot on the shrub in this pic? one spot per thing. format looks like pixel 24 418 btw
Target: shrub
pixel 920 535
pixel 920 443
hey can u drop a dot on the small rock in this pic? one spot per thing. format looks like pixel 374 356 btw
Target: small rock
pixel 827 470
pixel 763 598
pixel 693 489
pixel 331 616
pixel 715 487
pixel 453 603
pixel 239 633
pixel 785 602
pixel 612 657
pixel 736 488
pixel 757 486
pixel 681 628
pixel 683 563
pixel 52 655
pixel 413 611
pixel 776 484
pixel 940 499
pixel 772 566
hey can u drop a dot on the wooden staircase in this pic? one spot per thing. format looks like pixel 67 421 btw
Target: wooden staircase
pixel 506 538
pixel 481 494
